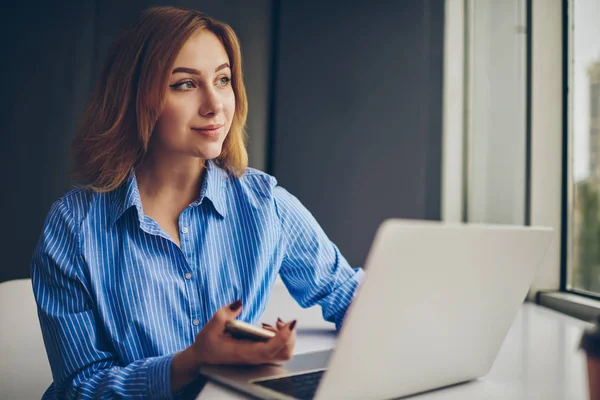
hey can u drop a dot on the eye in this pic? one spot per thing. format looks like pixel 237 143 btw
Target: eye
pixel 224 81
pixel 180 86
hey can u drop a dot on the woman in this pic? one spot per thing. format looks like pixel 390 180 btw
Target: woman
pixel 170 235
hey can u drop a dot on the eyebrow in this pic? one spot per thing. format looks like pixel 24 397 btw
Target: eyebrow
pixel 196 72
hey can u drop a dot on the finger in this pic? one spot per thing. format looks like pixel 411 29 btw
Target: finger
pixel 235 307
pixel 244 351
pixel 286 326
pixel 286 353
pixel 269 328
pixel 290 329
pixel 279 323
pixel 232 350
pixel 285 337
pixel 277 349
pixel 224 314
pixel 263 352
pixel 292 325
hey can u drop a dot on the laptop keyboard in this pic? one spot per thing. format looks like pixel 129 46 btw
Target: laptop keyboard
pixel 303 386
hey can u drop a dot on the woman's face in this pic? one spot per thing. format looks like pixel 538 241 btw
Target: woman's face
pixel 199 102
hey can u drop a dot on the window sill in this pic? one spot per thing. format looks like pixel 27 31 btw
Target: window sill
pixel 571 304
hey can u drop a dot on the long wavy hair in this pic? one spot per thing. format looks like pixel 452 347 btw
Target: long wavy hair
pixel 117 125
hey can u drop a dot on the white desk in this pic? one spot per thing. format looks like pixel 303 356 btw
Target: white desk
pixel 538 360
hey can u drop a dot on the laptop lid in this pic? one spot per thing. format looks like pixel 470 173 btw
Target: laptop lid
pixel 437 302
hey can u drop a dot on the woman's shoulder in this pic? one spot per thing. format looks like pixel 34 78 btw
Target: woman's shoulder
pixel 257 183
pixel 79 201
pixel 262 188
pixel 253 175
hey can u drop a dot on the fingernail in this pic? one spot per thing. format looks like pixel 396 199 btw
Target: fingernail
pixel 292 325
pixel 235 305
pixel 279 320
pixel 267 325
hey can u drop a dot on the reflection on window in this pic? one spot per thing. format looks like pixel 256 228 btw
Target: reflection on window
pixel 584 271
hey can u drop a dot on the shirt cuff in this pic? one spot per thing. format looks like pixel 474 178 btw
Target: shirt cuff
pixel 355 281
pixel 159 377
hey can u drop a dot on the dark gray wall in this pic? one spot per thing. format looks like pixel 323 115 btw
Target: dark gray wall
pixel 357 105
pixel 46 77
pixel 358 111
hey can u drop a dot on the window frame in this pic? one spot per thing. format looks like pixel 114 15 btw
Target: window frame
pixel 547 156
pixel 576 303
pixel 567 165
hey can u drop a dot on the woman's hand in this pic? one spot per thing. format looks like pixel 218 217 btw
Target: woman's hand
pixel 214 346
pixel 280 325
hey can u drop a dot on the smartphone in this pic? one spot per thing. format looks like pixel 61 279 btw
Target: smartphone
pixel 243 330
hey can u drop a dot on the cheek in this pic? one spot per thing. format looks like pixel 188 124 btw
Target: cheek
pixel 229 104
pixel 169 124
pixel 172 120
pixel 170 115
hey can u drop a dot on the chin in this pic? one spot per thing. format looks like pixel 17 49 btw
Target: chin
pixel 209 153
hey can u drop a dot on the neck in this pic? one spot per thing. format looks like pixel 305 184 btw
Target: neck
pixel 170 179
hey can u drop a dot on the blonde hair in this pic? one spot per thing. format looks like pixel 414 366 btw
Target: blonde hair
pixel 117 125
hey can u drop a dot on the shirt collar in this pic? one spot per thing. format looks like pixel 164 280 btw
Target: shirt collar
pixel 126 196
pixel 213 188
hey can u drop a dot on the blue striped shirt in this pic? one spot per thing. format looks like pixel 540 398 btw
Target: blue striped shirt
pixel 117 298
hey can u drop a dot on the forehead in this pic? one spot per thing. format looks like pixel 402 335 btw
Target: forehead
pixel 202 51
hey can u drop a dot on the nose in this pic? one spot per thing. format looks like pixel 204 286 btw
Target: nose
pixel 211 103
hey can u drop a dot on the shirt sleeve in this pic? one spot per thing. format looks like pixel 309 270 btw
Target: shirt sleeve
pixel 82 360
pixel 313 269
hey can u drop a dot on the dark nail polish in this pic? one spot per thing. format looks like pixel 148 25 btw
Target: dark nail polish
pixel 235 305
pixel 279 320
pixel 266 325
pixel 292 325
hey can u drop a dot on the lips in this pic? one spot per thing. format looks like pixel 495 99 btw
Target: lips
pixel 207 127
pixel 211 131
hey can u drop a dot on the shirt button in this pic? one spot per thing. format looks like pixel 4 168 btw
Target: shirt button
pixel 184 230
pixel 188 275
pixel 196 322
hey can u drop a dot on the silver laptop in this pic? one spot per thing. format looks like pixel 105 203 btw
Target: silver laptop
pixel 435 306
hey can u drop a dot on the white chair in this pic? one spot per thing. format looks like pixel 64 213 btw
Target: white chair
pixel 24 369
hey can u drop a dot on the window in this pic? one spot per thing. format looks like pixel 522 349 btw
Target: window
pixel 496 122
pixel 583 168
